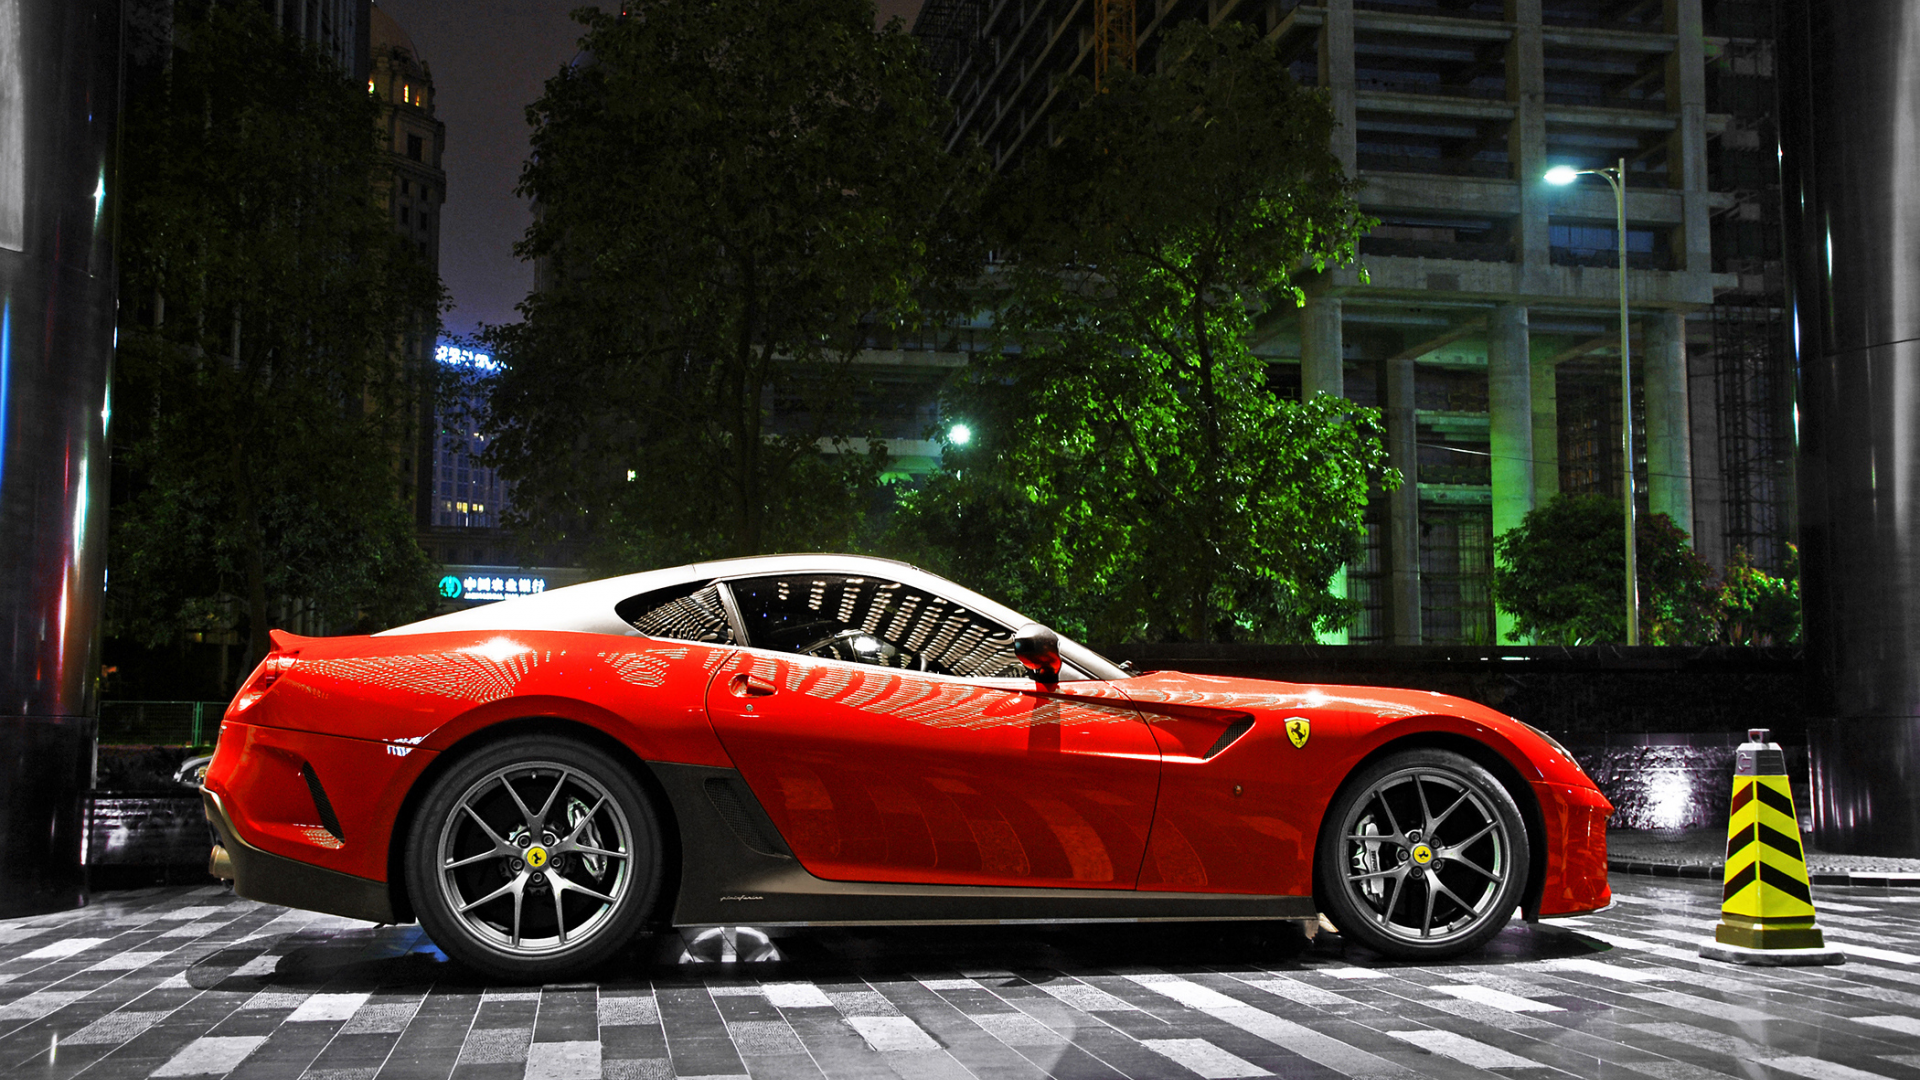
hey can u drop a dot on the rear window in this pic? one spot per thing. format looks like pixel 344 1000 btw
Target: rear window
pixel 689 611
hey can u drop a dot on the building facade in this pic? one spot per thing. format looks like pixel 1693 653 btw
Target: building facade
pixel 399 78
pixel 1485 326
pixel 338 27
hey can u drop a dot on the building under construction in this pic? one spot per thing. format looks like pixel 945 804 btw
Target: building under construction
pixel 1486 326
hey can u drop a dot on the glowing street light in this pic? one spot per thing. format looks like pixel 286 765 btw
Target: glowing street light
pixel 1616 178
pixel 960 434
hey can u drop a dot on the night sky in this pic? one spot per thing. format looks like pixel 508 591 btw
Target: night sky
pixel 489 60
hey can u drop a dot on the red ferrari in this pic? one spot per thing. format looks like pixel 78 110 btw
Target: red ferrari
pixel 832 740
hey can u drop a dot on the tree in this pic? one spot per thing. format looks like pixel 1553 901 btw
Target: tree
pixel 1562 576
pixel 1135 475
pixel 260 405
pixel 1757 608
pixel 731 197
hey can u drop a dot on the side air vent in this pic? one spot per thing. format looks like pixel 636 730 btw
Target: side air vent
pixel 1231 735
pixel 328 819
pixel 752 828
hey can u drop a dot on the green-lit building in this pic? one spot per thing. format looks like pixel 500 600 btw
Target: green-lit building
pixel 1485 326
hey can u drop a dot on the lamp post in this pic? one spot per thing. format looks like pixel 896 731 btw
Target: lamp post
pixel 1616 178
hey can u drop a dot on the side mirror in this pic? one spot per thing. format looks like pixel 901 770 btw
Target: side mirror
pixel 1039 649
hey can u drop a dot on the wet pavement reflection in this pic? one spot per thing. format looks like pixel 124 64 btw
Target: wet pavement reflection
pixel 188 981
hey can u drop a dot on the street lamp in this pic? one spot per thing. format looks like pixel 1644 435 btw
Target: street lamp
pixel 960 434
pixel 1616 178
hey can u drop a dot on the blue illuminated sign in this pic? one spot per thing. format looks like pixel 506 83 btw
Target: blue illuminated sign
pixel 458 357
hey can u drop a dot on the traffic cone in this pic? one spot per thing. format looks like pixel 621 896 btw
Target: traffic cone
pixel 1766 910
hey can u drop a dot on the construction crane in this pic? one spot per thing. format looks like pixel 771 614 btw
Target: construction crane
pixel 1114 37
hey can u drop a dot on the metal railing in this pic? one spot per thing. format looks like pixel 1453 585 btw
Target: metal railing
pixel 160 723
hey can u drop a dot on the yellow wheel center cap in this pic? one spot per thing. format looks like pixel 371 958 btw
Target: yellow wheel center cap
pixel 1422 854
pixel 536 857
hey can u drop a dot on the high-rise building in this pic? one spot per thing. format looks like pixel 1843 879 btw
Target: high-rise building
pixel 1485 326
pixel 338 27
pixel 465 494
pixel 399 78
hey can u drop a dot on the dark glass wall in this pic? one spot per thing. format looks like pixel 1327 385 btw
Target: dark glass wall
pixel 1850 163
pixel 59 105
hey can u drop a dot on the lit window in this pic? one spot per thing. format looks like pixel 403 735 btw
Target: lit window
pixel 460 506
pixel 479 508
pixel 371 89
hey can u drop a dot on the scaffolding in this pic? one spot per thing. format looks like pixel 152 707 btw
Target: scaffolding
pixel 1751 354
pixel 950 30
pixel 1755 450
pixel 1115 38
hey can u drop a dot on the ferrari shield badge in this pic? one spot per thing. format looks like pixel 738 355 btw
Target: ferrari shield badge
pixel 1298 728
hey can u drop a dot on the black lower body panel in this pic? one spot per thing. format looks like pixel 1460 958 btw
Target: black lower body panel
pixel 272 879
pixel 736 870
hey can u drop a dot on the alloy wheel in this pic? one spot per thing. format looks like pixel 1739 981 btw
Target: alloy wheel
pixel 1427 858
pixel 535 857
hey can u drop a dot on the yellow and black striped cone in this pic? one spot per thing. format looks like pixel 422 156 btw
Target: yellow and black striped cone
pixel 1766 911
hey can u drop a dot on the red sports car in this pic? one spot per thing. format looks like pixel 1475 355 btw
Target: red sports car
pixel 834 740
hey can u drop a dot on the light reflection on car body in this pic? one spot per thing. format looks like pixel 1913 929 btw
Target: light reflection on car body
pixel 854 790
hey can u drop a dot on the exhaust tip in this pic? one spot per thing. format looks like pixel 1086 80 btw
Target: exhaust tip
pixel 219 865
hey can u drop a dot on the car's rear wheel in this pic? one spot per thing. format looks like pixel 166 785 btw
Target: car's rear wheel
pixel 534 858
pixel 1424 855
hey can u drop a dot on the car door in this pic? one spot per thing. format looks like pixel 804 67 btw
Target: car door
pixel 890 737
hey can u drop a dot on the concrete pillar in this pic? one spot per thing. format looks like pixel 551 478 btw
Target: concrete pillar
pixel 1510 405
pixel 1687 146
pixel 1322 371
pixel 1321 348
pixel 1527 144
pixel 1403 506
pixel 1669 438
pixel 1546 425
pixel 1336 74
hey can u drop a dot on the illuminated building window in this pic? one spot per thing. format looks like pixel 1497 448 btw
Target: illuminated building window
pixel 371 89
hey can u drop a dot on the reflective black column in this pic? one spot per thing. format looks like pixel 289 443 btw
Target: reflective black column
pixel 1850 164
pixel 59 105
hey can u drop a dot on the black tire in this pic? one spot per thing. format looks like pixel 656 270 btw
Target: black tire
pixel 566 830
pixel 1405 824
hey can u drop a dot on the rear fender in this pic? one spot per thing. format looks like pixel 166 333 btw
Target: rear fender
pixel 692 743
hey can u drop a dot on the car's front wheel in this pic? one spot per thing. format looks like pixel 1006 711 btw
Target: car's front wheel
pixel 534 858
pixel 1424 855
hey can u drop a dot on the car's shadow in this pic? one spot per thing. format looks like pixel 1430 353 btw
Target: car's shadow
pixel 398 958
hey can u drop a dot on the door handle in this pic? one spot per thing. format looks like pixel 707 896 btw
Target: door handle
pixel 744 685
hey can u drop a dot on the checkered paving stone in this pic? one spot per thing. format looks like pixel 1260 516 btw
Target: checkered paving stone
pixel 190 982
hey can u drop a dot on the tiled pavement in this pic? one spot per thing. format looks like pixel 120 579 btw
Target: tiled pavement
pixel 188 981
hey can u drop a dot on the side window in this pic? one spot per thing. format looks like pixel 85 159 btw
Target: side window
pixel 688 612
pixel 873 621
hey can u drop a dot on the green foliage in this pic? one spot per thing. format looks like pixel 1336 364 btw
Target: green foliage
pixel 732 196
pixel 260 407
pixel 1757 608
pixel 1562 575
pixel 1133 476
